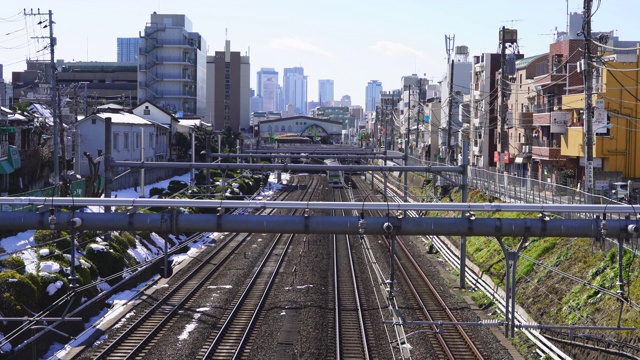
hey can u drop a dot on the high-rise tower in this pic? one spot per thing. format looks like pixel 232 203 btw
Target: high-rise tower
pixel 372 96
pixel 128 49
pixel 267 89
pixel 325 92
pixel 172 65
pixel 228 79
pixel 295 89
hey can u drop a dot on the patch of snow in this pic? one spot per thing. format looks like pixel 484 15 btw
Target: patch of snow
pixel 44 252
pixel 53 287
pixel 98 247
pixel 219 286
pixel 50 266
pixel 192 325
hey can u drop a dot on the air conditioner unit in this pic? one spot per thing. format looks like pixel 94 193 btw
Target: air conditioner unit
pixel 526 148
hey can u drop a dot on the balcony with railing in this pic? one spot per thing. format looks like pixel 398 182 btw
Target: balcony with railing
pixel 545 149
pixel 190 43
pixel 176 93
pixel 181 60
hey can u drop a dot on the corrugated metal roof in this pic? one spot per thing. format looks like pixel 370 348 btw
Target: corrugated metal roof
pixel 524 62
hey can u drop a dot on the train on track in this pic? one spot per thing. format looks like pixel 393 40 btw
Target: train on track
pixel 334 177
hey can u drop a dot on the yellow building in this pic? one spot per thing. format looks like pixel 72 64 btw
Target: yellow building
pixel 616 101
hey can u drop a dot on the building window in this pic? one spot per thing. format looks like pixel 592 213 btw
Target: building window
pixel 290 129
pixel 137 140
pixel 116 142
pixel 147 112
pixel 269 128
pixel 282 128
pixel 125 141
pixel 93 121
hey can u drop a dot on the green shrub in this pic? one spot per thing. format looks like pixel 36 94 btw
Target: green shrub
pixel 9 306
pixel 120 241
pixel 54 255
pixel 108 262
pixel 84 237
pixel 59 288
pixel 43 236
pixel 130 238
pixel 83 274
pixel 20 289
pixel 59 239
pixel 93 270
pixel 35 280
pixel 14 263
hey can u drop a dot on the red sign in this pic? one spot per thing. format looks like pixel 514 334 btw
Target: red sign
pixel 496 157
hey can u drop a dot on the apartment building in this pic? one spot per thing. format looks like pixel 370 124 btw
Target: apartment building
pixel 172 65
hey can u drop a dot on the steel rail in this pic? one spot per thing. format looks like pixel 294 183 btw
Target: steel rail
pixel 250 302
pixel 406 265
pixel 351 337
pixel 144 330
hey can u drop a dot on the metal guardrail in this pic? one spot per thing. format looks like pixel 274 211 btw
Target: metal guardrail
pixel 516 189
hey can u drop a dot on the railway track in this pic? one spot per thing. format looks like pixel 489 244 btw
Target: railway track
pixel 231 337
pixel 351 340
pixel 145 330
pixel 448 341
pixel 453 342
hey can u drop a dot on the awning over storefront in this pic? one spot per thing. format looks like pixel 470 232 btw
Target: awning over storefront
pixel 523 158
pixel 5 167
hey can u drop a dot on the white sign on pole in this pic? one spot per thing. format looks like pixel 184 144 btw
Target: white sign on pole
pixel 600 121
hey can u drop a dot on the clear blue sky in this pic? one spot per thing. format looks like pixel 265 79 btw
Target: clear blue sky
pixel 348 41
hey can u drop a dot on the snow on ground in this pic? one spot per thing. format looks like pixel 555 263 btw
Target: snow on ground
pixel 133 193
pixel 120 300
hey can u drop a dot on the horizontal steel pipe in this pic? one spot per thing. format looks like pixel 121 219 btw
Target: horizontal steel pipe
pixel 175 222
pixel 316 150
pixel 284 167
pixel 305 156
pixel 322 205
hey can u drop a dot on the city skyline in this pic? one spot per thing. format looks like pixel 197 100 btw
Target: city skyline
pixel 352 45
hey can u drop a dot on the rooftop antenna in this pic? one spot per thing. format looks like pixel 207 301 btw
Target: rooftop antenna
pixel 225 34
pixel 512 21
pixel 449 41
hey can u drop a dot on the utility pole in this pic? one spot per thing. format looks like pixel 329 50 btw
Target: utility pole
pixel 588 90
pixel 54 95
pixel 449 44
pixel 502 107
pixel 450 113
pixel 419 117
